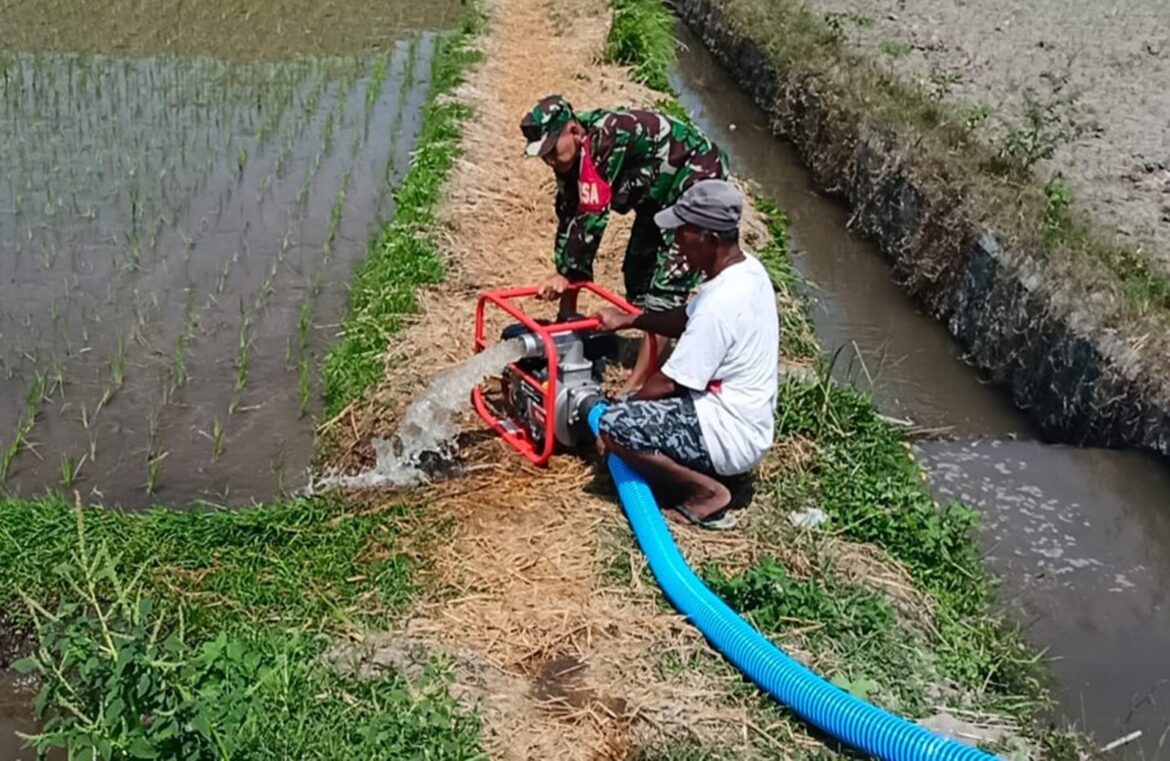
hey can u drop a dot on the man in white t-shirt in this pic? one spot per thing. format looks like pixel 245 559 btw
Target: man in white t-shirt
pixel 708 415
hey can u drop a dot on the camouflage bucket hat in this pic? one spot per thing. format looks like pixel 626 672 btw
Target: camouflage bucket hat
pixel 543 124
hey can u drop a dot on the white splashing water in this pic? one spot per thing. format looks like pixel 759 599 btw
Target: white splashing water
pixel 429 425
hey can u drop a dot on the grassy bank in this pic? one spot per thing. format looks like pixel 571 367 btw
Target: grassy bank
pixel 888 598
pixel 199 634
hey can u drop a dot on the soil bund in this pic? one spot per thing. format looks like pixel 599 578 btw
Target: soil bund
pixel 1081 382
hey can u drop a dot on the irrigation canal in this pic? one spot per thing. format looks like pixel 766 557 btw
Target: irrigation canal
pixel 1080 537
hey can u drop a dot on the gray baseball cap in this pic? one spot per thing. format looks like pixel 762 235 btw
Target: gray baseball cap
pixel 708 204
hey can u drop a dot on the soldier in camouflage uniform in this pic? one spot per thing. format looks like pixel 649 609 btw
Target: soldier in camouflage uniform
pixel 621 160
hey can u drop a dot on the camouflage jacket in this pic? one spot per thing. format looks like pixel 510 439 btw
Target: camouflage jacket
pixel 644 159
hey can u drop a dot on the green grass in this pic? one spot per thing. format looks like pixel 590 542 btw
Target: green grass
pixel 853 631
pixel 642 36
pixel 864 479
pixel 285 564
pixel 796 334
pixel 404 254
pixel 137 671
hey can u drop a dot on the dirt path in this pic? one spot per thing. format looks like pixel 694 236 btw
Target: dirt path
pixel 560 654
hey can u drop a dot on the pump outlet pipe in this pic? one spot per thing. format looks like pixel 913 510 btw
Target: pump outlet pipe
pixel 852 721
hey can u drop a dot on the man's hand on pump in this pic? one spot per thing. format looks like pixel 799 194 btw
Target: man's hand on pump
pixel 611 319
pixel 554 287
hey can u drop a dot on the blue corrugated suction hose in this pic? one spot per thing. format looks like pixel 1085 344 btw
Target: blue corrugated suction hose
pixel 834 711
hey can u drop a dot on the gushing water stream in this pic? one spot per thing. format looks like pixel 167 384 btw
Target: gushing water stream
pixel 429 425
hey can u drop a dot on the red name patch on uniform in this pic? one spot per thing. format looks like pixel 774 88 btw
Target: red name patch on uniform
pixel 593 192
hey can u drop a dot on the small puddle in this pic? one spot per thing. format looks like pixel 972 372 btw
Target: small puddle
pixel 1080 537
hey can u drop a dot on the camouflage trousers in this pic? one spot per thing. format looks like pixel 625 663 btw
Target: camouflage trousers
pixel 656 274
pixel 662 426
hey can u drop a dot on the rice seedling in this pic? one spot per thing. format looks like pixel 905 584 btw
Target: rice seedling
pixel 154 425
pixel 241 160
pixel 223 275
pixel 192 317
pixel 303 386
pixel 36 393
pixel 154 471
pixel 336 212
pixel 20 442
pixel 70 469
pixel 280 467
pixel 303 192
pixel 56 378
pixel 216 439
pixel 93 446
pixel 243 358
pixel 107 395
pixel 118 363
pixel 304 322
pixel 10 453
pixel 327 133
pixel 179 361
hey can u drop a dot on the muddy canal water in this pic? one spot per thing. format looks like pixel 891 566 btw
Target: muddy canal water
pixel 1080 538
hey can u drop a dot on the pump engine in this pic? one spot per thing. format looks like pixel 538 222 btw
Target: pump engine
pixel 545 396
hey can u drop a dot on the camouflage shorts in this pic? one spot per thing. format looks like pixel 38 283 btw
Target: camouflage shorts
pixel 663 426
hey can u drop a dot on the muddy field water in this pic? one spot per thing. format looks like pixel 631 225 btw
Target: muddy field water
pixel 1080 538
pixel 176 236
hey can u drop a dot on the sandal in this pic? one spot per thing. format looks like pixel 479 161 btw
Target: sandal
pixel 721 520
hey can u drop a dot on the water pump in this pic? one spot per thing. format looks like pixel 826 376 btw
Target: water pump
pixel 543 399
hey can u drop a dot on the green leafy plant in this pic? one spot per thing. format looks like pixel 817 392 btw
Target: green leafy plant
pixel 1051 120
pixel 70 469
pixel 895 49
pixel 642 36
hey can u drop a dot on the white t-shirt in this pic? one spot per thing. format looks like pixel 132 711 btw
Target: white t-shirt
pixel 728 358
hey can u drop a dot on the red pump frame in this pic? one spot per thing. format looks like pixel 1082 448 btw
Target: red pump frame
pixel 504 299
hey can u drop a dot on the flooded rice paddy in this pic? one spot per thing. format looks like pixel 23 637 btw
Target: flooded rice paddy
pixel 176 236
pixel 184 196
pixel 186 188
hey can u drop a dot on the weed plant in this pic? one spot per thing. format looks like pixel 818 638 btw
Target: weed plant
pixel 642 36
pixel 122 668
